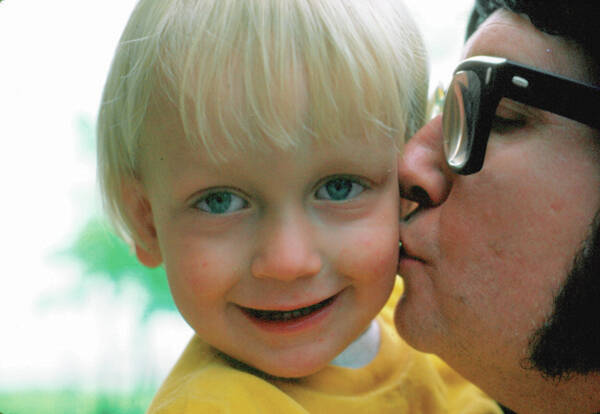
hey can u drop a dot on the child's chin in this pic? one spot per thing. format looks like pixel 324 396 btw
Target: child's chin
pixel 297 373
pixel 292 372
pixel 281 370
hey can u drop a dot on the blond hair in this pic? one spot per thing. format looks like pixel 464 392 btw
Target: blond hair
pixel 361 62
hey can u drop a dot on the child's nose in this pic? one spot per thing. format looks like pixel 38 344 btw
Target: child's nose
pixel 286 250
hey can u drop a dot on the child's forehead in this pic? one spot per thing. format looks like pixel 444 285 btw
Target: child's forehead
pixel 238 116
pixel 242 94
pixel 233 113
pixel 164 134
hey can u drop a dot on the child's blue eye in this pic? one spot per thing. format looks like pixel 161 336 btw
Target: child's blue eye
pixel 339 189
pixel 221 202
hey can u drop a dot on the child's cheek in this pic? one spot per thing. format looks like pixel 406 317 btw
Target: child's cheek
pixel 199 272
pixel 371 256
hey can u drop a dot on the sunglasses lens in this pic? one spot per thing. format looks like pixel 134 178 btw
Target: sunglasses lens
pixel 460 111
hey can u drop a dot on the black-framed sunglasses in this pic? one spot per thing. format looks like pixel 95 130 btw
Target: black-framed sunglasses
pixel 478 85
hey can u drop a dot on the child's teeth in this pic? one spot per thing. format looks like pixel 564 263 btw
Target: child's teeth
pixel 287 315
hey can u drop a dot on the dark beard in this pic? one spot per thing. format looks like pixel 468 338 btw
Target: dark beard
pixel 569 342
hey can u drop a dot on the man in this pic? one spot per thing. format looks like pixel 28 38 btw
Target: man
pixel 501 255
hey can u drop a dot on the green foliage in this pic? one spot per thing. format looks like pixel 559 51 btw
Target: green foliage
pixel 87 133
pixel 104 255
pixel 74 402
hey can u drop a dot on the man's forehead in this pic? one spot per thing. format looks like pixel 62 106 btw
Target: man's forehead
pixel 513 36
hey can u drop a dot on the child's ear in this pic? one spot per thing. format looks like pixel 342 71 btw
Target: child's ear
pixel 139 212
pixel 147 257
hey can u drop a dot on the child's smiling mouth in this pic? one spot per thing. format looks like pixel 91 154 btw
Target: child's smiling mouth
pixel 288 315
pixel 291 318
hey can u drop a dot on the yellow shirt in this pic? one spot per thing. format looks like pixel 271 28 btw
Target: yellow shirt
pixel 398 380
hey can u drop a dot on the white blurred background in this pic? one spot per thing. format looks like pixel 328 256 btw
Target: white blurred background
pixel 55 331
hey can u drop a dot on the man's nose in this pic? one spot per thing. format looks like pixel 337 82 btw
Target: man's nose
pixel 423 174
pixel 286 249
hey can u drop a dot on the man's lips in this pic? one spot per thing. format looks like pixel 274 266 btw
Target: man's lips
pixel 286 315
pixel 404 253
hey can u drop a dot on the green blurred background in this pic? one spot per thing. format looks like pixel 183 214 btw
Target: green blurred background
pixel 83 327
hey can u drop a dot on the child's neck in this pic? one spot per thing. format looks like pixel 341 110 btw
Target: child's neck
pixel 362 351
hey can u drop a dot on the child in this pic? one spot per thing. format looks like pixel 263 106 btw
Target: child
pixel 251 146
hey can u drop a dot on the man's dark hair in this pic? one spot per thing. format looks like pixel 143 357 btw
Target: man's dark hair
pixel 569 342
pixel 578 20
